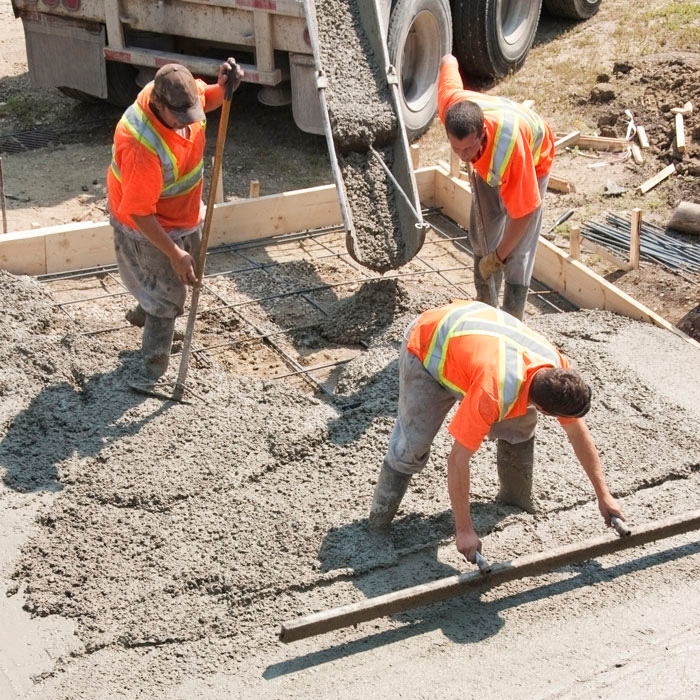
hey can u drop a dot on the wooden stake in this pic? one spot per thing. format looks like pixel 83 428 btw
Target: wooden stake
pixel 575 242
pixel 454 164
pixel 415 155
pixel 680 134
pixel 637 154
pixel 254 189
pixel 560 184
pixel 452 586
pixel 635 237
pixel 659 177
pixel 642 136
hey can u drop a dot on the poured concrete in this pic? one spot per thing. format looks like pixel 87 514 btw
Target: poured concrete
pixel 175 538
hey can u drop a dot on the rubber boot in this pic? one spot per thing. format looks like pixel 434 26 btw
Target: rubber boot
pixel 156 344
pixel 390 489
pixel 136 316
pixel 514 299
pixel 483 293
pixel 515 473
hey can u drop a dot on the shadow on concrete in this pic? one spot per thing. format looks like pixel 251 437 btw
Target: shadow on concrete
pixel 467 620
pixel 64 420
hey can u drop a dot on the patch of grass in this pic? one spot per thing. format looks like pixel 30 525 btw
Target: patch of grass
pixel 25 110
pixel 677 24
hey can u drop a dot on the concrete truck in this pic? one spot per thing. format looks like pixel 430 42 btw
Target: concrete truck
pixel 109 48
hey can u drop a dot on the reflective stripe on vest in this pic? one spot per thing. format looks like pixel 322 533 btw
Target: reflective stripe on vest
pixel 514 339
pixel 136 122
pixel 509 113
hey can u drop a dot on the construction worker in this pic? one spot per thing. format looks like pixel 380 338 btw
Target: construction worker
pixel 154 186
pixel 503 374
pixel 511 149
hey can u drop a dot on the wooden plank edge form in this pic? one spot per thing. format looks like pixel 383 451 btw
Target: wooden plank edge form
pixel 81 245
pixel 580 285
pixel 570 278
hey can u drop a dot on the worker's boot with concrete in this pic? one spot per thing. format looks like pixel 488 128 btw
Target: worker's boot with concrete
pixel 514 299
pixel 156 344
pixel 136 316
pixel 481 285
pixel 388 493
pixel 515 463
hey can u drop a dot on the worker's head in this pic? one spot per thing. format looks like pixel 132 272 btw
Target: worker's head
pixel 560 392
pixel 464 124
pixel 176 97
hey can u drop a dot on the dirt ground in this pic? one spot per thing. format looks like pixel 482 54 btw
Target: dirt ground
pixel 151 549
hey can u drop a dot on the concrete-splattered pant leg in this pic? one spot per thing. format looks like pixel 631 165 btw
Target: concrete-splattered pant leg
pixel 423 405
pixel 519 264
pixel 148 275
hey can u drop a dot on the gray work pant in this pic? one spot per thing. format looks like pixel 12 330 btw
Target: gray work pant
pixel 423 406
pixel 519 264
pixel 147 273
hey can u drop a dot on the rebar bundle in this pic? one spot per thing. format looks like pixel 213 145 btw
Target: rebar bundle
pixel 656 244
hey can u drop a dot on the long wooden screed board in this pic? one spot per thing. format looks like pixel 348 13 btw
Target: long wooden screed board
pixel 85 245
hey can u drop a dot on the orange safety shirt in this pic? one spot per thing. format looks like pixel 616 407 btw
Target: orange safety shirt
pixel 484 357
pixel 156 170
pixel 519 143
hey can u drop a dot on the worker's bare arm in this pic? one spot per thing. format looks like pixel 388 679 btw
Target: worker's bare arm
pixel 515 229
pixel 468 542
pixel 587 454
pixel 182 262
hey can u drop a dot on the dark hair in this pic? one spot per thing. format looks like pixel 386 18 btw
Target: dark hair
pixel 561 392
pixel 463 119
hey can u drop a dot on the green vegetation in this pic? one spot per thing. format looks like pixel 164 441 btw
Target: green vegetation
pixel 26 110
pixel 676 23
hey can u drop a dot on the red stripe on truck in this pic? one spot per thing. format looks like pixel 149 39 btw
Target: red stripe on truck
pixel 258 4
pixel 122 56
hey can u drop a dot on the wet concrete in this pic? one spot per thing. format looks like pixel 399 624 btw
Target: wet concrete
pixel 362 115
pixel 181 535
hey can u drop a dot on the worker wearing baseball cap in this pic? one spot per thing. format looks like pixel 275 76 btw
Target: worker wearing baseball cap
pixel 154 187
pixel 503 374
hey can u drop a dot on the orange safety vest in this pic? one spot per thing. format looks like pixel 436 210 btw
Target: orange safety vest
pixel 155 170
pixel 483 356
pixel 520 144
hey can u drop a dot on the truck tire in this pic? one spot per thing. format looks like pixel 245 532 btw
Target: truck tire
pixel 121 84
pixel 420 34
pixel 572 9
pixel 493 37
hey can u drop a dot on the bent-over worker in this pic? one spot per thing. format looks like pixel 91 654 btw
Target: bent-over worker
pixel 503 374
pixel 154 186
pixel 511 149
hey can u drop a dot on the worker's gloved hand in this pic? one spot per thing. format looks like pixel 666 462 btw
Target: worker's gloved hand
pixel 490 264
pixel 468 544
pixel 229 69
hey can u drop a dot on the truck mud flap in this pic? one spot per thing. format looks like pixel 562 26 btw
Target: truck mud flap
pixel 366 136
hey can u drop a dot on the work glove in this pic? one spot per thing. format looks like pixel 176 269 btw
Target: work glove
pixel 230 70
pixel 490 264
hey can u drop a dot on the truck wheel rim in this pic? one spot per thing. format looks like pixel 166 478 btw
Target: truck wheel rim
pixel 420 60
pixel 513 20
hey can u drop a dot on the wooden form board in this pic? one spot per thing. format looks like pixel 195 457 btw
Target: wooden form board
pixel 84 245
